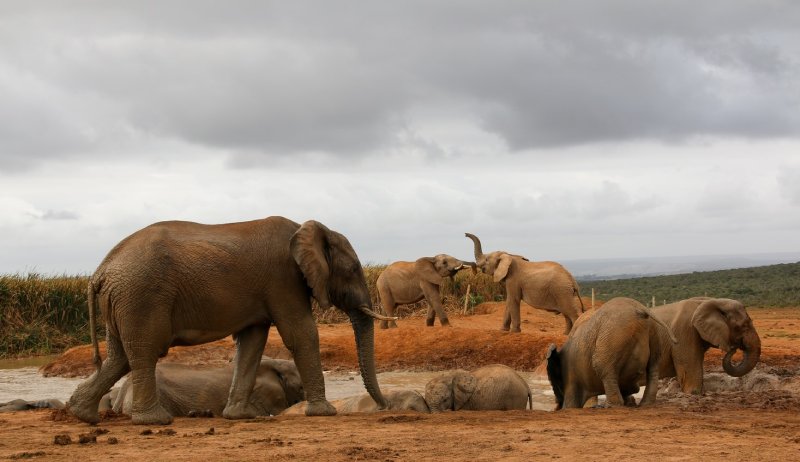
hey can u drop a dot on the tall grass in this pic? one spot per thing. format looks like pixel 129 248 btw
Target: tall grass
pixel 42 315
pixel 45 315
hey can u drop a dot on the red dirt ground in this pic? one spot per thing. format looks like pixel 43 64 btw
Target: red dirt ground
pixel 733 425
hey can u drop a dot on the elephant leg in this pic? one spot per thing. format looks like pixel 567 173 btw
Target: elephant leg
pixel 512 316
pixel 250 343
pixel 143 352
pixel 388 304
pixel 613 393
pixel 689 372
pixel 85 401
pixel 431 293
pixel 506 320
pixel 299 334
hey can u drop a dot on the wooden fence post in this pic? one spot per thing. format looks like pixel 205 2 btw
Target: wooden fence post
pixel 592 298
pixel 466 299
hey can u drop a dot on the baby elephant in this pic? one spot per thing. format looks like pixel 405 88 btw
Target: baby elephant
pixel 184 390
pixel 23 405
pixel 608 353
pixel 399 400
pixel 495 387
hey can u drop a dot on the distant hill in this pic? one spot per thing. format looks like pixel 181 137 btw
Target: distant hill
pixel 773 285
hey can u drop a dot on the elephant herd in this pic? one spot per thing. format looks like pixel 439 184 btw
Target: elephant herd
pixel 183 283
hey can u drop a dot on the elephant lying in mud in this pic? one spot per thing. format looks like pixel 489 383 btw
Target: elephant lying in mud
pixel 608 353
pixel 23 405
pixel 405 282
pixel 178 283
pixel 542 284
pixel 399 400
pixel 494 387
pixel 185 390
pixel 700 323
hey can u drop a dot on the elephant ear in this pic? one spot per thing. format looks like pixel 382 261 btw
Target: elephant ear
pixel 711 324
pixel 464 385
pixel 310 250
pixel 426 270
pixel 503 265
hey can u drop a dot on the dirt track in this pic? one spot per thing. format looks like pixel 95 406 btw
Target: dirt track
pixel 760 424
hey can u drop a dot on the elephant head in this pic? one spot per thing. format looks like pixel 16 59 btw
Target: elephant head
pixel 495 264
pixel 724 323
pixel 334 275
pixel 450 391
pixel 435 269
pixel 289 378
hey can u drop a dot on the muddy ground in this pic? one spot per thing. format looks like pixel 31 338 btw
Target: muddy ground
pixel 753 418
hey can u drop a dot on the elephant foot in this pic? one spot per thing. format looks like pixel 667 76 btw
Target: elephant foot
pixel 504 329
pixel 84 413
pixel 429 322
pixel 446 322
pixel 515 330
pixel 237 411
pixel 320 408
pixel 155 416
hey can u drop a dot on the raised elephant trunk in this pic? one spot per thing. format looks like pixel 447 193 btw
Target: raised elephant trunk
pixel 479 257
pixel 751 350
pixel 364 331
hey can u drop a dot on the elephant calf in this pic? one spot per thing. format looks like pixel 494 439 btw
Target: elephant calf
pixel 184 389
pixel 405 282
pixel 399 400
pixel 494 387
pixel 607 353
pixel 23 405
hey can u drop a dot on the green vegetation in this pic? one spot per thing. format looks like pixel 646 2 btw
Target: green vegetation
pixel 775 285
pixel 44 315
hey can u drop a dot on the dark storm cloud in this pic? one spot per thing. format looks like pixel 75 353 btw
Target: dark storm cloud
pixel 343 78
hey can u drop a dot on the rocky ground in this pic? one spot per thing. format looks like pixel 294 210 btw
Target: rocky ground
pixel 752 418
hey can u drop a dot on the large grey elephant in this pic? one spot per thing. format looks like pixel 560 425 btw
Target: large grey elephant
pixel 182 283
pixel 700 323
pixel 542 284
pixel 493 387
pixel 183 390
pixel 607 353
pixel 399 400
pixel 405 282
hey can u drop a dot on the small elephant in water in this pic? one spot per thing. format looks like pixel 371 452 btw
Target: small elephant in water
pixel 494 387
pixel 700 323
pixel 23 405
pixel 185 390
pixel 399 400
pixel 541 284
pixel 404 282
pixel 608 353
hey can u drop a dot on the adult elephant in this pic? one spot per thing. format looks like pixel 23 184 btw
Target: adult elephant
pixel 542 284
pixel 183 283
pixel 399 400
pixel 405 282
pixel 185 390
pixel 607 353
pixel 700 323
pixel 494 387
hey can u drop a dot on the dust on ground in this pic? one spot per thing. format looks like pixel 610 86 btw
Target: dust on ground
pixel 755 417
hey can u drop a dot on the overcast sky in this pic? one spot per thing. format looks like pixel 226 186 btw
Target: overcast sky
pixel 559 130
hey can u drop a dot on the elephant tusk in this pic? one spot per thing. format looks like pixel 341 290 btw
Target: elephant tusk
pixel 364 309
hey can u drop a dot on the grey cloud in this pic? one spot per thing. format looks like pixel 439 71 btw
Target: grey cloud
pixel 60 215
pixel 265 79
pixel 789 184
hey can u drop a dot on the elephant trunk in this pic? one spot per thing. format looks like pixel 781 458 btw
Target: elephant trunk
pixel 364 331
pixel 751 350
pixel 478 250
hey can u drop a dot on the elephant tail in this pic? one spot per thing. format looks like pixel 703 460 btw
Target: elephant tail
pixel 92 302
pixel 663 325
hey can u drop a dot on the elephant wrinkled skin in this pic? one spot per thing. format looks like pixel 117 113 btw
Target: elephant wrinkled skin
pixel 493 387
pixel 183 390
pixel 24 405
pixel 700 323
pixel 405 282
pixel 182 283
pixel 608 353
pixel 399 400
pixel 542 284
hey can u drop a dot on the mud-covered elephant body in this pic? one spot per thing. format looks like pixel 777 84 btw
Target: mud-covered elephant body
pixel 607 354
pixel 183 389
pixel 545 285
pixel 184 283
pixel 699 324
pixel 494 387
pixel 399 400
pixel 26 405
pixel 404 282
